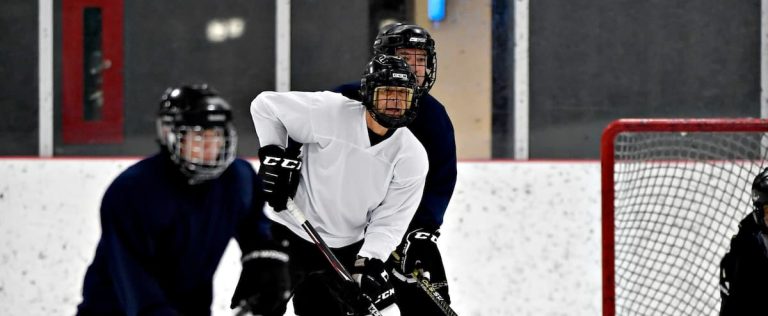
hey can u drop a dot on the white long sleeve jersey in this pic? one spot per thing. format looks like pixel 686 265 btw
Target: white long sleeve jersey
pixel 349 190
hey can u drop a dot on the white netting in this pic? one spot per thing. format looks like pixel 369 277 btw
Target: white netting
pixel 678 200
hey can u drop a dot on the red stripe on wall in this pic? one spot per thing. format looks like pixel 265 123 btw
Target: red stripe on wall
pixel 109 128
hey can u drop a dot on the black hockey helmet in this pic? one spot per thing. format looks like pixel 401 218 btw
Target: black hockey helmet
pixel 387 72
pixel 399 35
pixel 197 111
pixel 760 198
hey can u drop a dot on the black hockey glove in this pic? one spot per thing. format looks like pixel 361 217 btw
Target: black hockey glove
pixel 264 285
pixel 419 251
pixel 280 175
pixel 373 279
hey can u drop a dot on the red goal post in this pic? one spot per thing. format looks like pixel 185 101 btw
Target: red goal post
pixel 645 159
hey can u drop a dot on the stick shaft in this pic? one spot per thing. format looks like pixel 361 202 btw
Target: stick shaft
pixel 326 251
pixel 298 215
pixel 430 290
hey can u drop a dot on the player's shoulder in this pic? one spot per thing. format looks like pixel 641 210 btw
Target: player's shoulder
pixel 273 96
pixel 239 171
pixel 429 103
pixel 240 165
pixel 333 97
pixel 142 171
pixel 414 144
pixel 433 117
pixel 278 97
pixel 264 95
pixel 239 180
pixel 748 235
pixel 310 98
pixel 748 224
pixel 136 182
pixel 412 152
pixel 335 104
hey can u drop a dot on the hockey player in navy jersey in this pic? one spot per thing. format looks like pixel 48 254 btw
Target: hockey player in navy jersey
pixel 432 127
pixel 744 269
pixel 360 183
pixel 167 219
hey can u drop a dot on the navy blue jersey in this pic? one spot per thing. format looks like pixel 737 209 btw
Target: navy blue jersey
pixel 433 128
pixel 162 239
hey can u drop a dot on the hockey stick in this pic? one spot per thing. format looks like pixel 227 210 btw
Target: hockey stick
pixel 293 151
pixel 430 290
pixel 299 217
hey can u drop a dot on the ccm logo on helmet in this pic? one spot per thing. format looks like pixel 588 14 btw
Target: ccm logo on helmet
pixel 286 163
pixel 417 39
pixel 400 76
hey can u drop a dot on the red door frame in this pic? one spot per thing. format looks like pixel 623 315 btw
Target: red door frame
pixel 109 128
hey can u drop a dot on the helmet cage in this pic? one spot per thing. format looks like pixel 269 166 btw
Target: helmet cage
pixel 188 147
pixel 409 36
pixel 192 122
pixel 389 71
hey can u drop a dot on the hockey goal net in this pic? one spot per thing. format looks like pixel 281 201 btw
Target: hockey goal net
pixel 673 192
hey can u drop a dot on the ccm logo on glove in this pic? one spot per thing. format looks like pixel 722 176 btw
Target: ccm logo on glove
pixel 286 163
pixel 425 235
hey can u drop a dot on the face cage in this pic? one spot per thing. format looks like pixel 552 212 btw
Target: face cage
pixel 392 43
pixel 431 74
pixel 389 121
pixel 198 170
pixel 431 68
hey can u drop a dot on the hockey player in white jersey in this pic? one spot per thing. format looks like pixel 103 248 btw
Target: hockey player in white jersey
pixel 361 181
